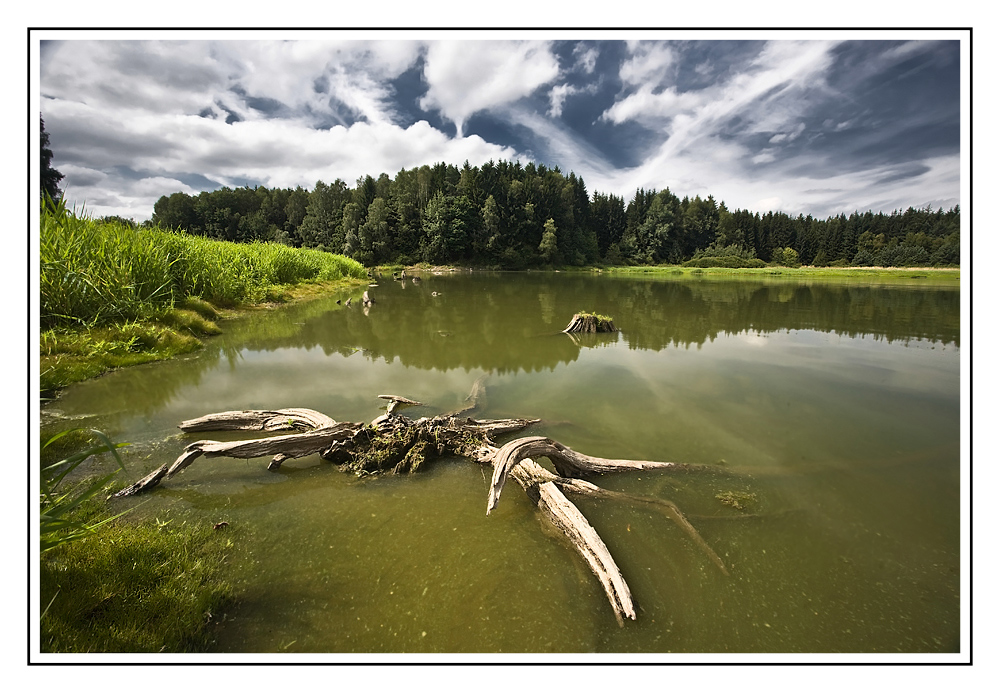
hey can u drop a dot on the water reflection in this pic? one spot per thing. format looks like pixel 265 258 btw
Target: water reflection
pixel 837 406
pixel 507 323
pixel 512 322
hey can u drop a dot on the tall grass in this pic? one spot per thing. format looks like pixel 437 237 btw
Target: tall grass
pixel 95 272
pixel 57 522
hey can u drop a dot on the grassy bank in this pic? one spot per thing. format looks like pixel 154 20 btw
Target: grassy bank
pixel 110 582
pixel 112 295
pixel 150 586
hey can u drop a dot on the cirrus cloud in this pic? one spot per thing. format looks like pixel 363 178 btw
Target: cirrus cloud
pixel 801 126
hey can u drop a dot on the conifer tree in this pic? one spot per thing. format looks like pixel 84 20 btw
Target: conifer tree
pixel 49 176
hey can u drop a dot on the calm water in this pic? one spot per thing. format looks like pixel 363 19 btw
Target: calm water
pixel 836 406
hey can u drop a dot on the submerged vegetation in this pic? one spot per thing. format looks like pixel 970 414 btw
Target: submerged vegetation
pixel 113 294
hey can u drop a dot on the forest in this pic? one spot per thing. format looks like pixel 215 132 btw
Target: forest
pixel 506 215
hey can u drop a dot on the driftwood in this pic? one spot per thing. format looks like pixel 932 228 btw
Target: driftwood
pixel 395 401
pixel 396 444
pixel 589 322
pixel 257 420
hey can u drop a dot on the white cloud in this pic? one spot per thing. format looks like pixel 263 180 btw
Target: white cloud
pixel 136 105
pixel 125 126
pixel 571 153
pixel 705 152
pixel 655 109
pixel 275 154
pixel 789 136
pixel 115 195
pixel 179 77
pixel 650 62
pixel 765 156
pixel 586 58
pixel 557 96
pixel 465 77
pixel 757 94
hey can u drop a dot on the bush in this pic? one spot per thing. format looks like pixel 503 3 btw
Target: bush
pixel 732 256
pixel 729 261
pixel 787 257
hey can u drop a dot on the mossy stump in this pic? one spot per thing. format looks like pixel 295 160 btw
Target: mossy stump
pixel 590 322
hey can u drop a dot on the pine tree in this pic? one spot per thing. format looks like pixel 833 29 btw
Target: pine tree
pixel 49 176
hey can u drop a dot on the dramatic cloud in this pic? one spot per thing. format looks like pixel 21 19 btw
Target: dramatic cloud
pixel 802 126
pixel 465 77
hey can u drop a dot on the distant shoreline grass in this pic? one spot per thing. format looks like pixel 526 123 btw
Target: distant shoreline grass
pixel 936 275
pixel 112 295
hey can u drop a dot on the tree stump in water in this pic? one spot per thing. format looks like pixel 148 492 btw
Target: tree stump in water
pixel 395 444
pixel 590 322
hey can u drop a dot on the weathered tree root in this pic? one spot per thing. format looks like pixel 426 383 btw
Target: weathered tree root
pixel 396 444
pixel 585 488
pixel 257 420
pixel 566 461
pixel 281 447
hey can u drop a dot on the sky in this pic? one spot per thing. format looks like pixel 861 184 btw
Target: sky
pixel 799 122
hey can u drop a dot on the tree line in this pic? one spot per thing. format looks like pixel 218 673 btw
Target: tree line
pixel 513 216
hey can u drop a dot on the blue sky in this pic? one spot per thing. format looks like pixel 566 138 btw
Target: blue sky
pixel 801 122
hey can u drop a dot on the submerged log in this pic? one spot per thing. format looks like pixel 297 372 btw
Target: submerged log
pixel 590 322
pixel 395 444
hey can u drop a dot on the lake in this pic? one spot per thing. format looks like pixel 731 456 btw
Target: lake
pixel 828 411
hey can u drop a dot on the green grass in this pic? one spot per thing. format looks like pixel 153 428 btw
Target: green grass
pixel 935 275
pixel 94 273
pixel 113 295
pixel 59 523
pixel 596 316
pixel 70 355
pixel 136 587
pixel 111 585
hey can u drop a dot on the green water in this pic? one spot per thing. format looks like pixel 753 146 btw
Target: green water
pixel 836 406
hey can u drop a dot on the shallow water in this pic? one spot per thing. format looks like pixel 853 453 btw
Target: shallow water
pixel 836 406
